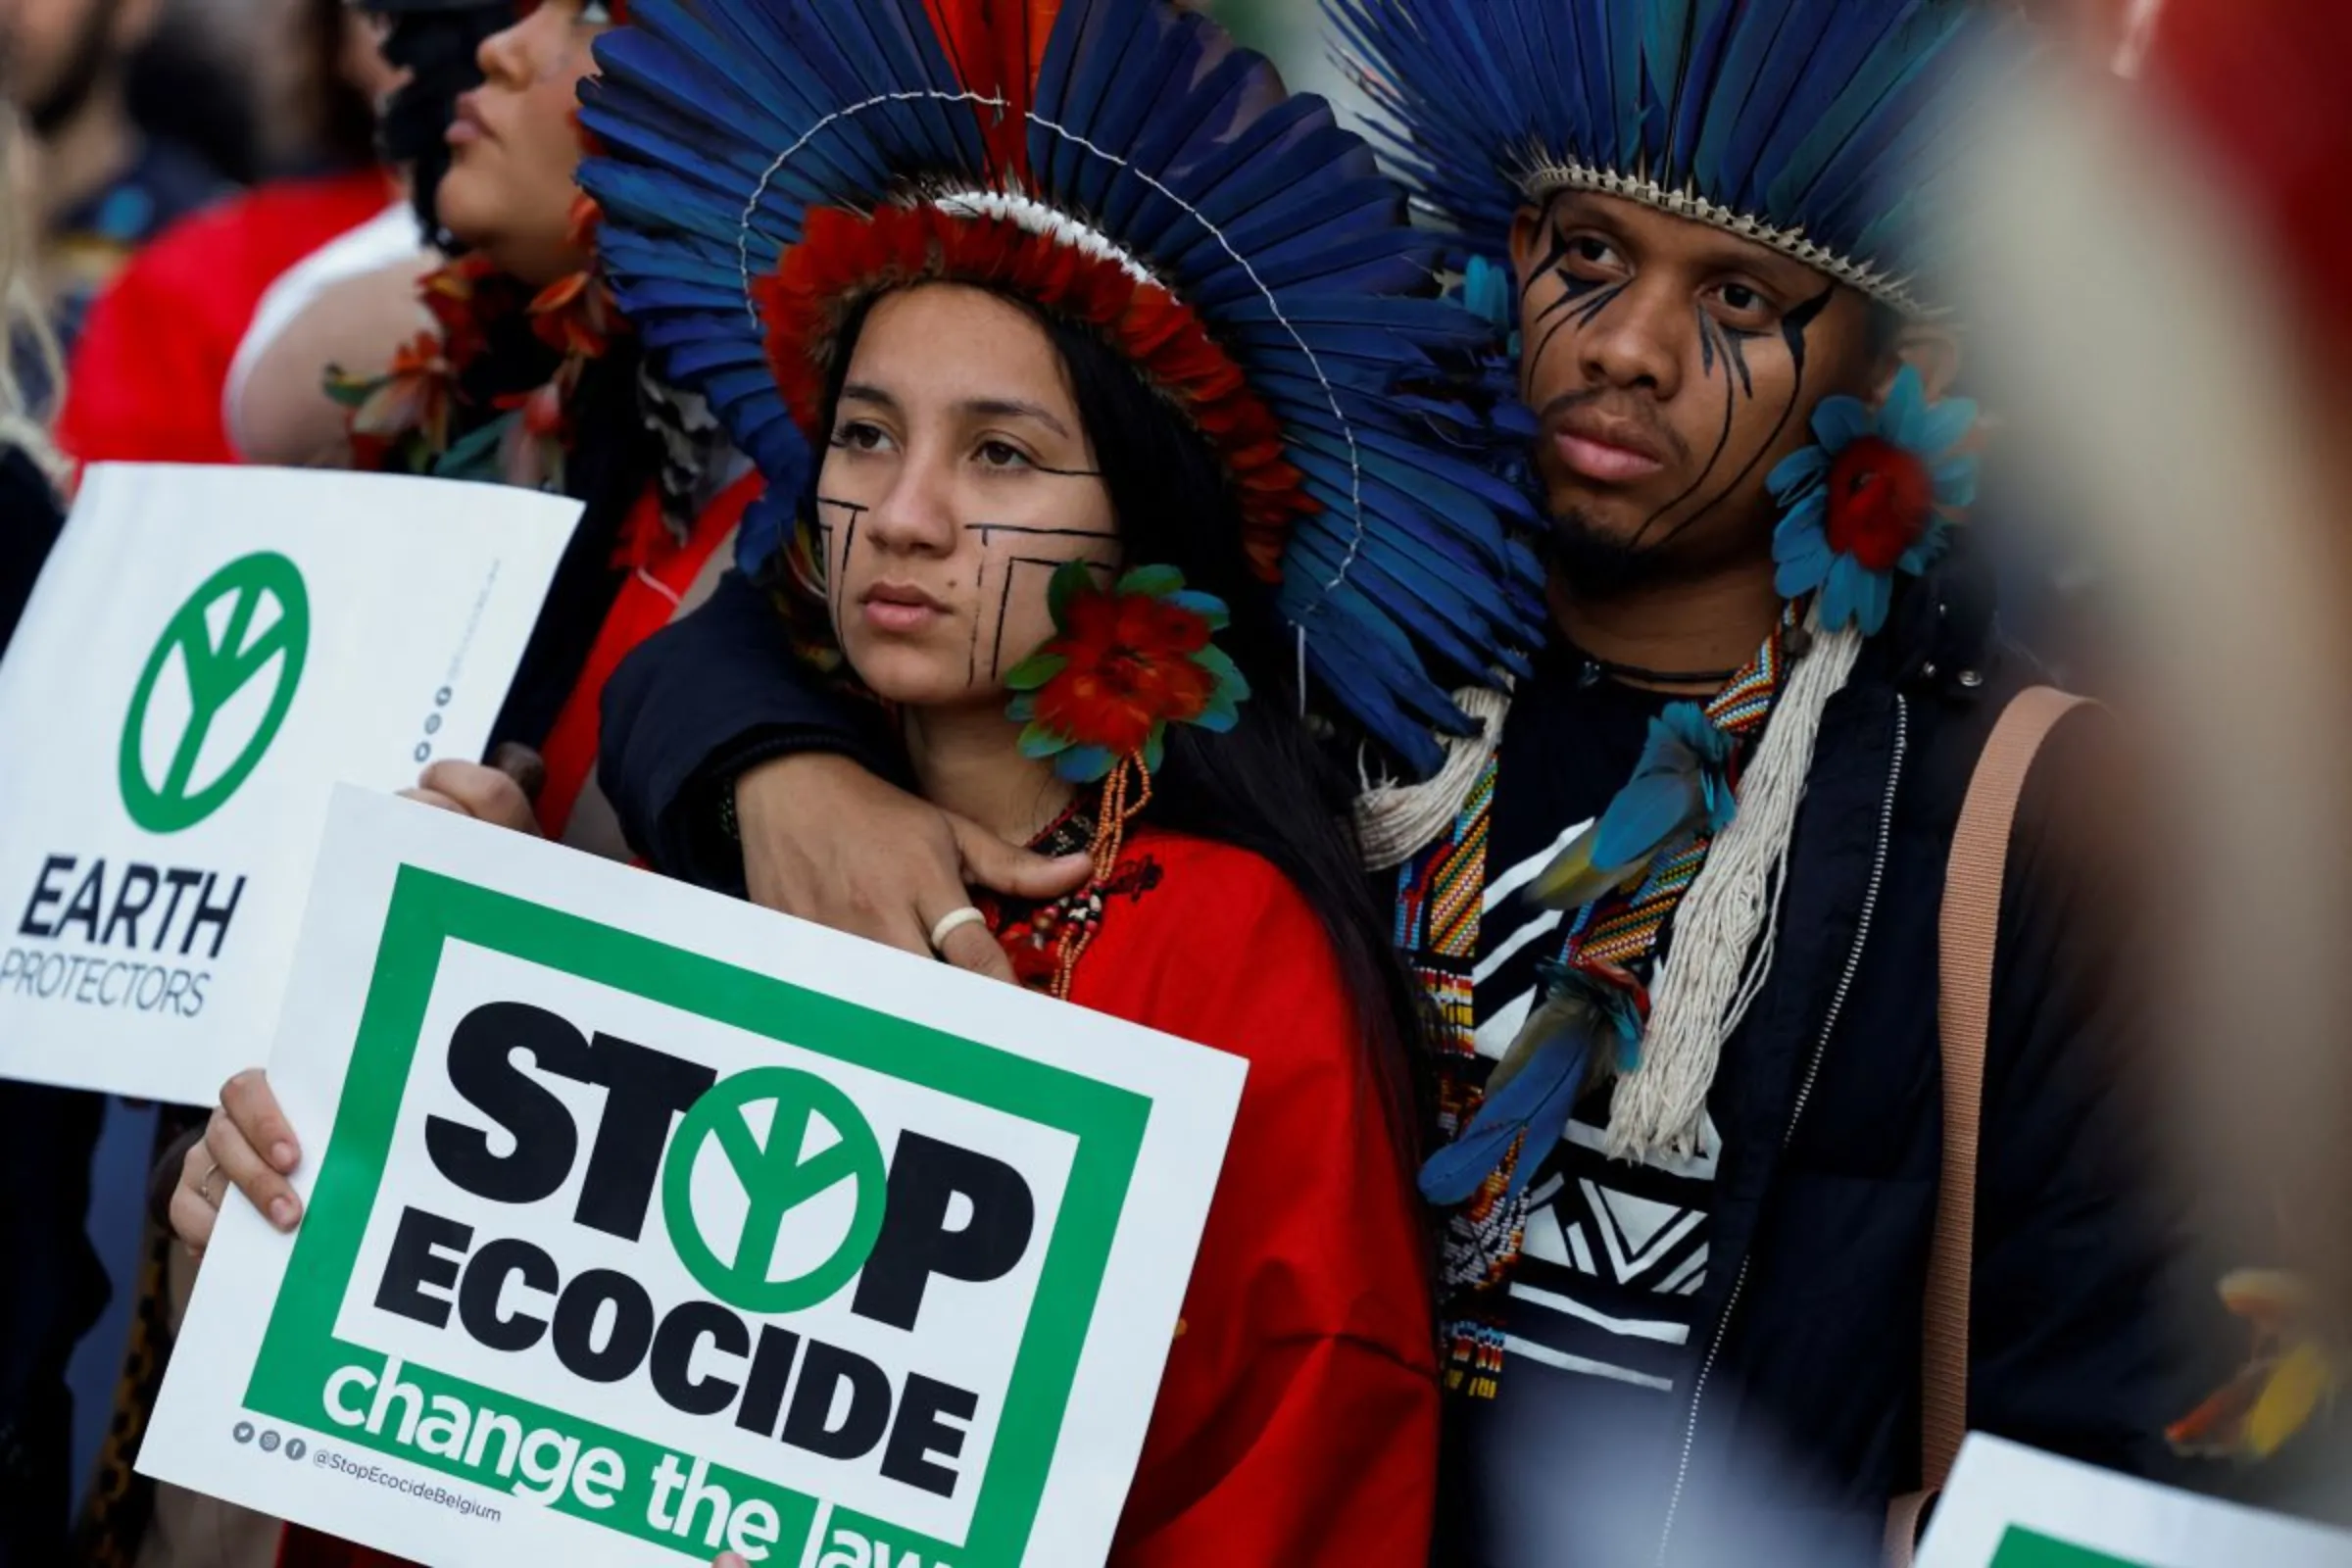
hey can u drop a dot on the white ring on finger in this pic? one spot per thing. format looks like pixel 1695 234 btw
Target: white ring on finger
pixel 209 1200
pixel 951 922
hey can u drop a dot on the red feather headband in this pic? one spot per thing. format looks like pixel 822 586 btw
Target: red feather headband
pixel 844 257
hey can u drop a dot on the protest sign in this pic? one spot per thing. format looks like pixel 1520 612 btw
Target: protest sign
pixel 643 1223
pixel 209 650
pixel 2009 1507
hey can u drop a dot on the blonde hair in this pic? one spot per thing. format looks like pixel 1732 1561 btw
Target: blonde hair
pixel 23 425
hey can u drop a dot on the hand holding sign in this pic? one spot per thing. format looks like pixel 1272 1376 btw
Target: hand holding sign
pixel 637 1223
pixel 231 1154
pixel 498 792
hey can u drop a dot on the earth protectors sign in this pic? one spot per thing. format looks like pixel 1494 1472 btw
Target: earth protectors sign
pixel 643 1223
pixel 208 653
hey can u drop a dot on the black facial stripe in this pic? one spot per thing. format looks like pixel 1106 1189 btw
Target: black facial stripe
pixel 986 528
pixel 1068 473
pixel 971 662
pixel 1552 257
pixel 1583 318
pixel 996 658
pixel 1722 442
pixel 848 544
pixel 1793 329
pixel 1799 321
pixel 1735 344
pixel 988 531
pixel 1573 289
pixel 1592 311
pixel 825 537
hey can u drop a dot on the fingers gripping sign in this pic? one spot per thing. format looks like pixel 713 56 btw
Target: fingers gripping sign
pixel 498 792
pixel 246 1144
pixel 630 1211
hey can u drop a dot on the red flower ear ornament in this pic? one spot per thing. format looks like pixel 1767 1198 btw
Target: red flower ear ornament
pixel 1124 663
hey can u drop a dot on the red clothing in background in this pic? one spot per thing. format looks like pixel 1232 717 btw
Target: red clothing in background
pixel 147 377
pixel 648 602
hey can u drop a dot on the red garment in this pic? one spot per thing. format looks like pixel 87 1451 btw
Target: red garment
pixel 663 570
pixel 147 377
pixel 1298 1420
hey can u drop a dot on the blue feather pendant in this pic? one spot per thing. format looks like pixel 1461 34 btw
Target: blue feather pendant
pixel 1587 1025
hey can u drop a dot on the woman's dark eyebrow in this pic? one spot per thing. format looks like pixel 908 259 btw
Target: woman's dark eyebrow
pixel 860 392
pixel 1014 409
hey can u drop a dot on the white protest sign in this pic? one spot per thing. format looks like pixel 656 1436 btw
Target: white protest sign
pixel 643 1223
pixel 2008 1506
pixel 209 650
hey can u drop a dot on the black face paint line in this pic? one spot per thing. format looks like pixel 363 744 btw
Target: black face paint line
pixel 987 532
pixel 1590 312
pixel 824 530
pixel 1068 473
pixel 995 656
pixel 1735 346
pixel 1552 257
pixel 971 661
pixel 1794 328
pixel 989 529
pixel 1709 352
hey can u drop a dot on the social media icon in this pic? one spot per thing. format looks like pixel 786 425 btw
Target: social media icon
pixel 242 1432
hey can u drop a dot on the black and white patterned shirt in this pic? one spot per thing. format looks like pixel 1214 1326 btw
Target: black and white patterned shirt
pixel 1598 1320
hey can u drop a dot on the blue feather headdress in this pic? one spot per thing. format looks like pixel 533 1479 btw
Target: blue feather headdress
pixel 1819 127
pixel 1243 248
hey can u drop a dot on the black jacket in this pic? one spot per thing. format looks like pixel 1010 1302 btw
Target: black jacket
pixel 1804 1417
pixel 2086 1333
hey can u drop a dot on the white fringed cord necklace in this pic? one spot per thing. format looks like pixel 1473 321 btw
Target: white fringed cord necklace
pixel 1393 822
pixel 1726 930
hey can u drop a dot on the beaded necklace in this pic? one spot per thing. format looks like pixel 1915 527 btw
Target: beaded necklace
pixel 1617 940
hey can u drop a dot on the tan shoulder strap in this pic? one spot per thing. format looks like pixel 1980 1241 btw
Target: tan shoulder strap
pixel 1970 928
pixel 1972 916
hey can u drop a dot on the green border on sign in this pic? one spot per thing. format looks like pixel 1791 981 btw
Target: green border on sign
pixel 2021 1547
pixel 300 1350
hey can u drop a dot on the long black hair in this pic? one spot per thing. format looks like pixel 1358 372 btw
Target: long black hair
pixel 1264 786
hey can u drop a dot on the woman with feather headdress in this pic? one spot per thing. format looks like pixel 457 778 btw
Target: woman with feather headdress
pixel 1075 401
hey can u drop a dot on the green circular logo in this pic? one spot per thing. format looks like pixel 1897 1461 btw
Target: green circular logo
pixel 775 1181
pixel 251 619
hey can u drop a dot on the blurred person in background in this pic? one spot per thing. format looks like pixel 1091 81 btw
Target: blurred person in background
pixel 2173 261
pixel 28 460
pixel 106 186
pixel 52 1287
pixel 354 302
pixel 145 384
pixel 149 373
pixel 515 368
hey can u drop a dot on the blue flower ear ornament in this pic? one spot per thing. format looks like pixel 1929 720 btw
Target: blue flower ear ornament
pixel 1875 494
